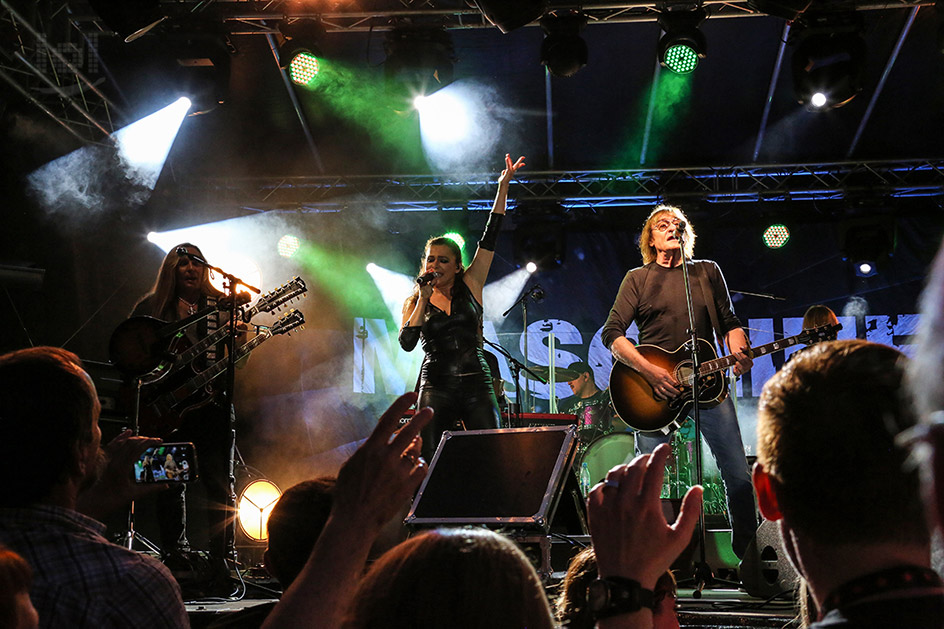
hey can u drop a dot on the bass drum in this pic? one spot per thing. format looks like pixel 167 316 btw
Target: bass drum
pixel 602 455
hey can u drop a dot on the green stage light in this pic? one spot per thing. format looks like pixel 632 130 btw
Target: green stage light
pixel 299 53
pixel 303 68
pixel 288 245
pixel 681 58
pixel 776 236
pixel 683 44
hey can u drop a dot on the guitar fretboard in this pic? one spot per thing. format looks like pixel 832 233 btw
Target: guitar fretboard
pixel 821 333
pixel 719 364
pixel 271 300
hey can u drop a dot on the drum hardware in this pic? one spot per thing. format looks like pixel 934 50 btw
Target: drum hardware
pixel 543 374
pixel 603 454
pixel 516 368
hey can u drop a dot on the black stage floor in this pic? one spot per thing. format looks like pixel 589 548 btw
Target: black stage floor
pixel 716 609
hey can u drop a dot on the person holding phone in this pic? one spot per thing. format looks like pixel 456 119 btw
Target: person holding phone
pixel 49 413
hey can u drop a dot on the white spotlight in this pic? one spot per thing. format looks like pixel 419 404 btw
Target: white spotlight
pixel 143 145
pixel 460 124
pixel 501 294
pixel 531 267
pixel 818 100
pixel 394 288
pixel 444 117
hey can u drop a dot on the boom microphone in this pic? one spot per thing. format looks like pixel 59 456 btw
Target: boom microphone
pixel 183 253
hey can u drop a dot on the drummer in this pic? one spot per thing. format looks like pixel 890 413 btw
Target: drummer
pixel 590 404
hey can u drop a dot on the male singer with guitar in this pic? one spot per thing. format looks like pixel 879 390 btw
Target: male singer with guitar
pixel 653 296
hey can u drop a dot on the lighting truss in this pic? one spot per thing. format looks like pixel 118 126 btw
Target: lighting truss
pixel 49 73
pixel 76 103
pixel 248 18
pixel 596 189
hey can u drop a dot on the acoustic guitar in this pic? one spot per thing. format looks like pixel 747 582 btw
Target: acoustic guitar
pixel 635 401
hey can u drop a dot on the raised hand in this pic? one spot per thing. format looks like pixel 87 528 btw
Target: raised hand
pixel 629 531
pixel 510 169
pixel 116 487
pixel 379 478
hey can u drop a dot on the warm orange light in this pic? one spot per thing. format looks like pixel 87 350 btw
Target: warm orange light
pixel 255 506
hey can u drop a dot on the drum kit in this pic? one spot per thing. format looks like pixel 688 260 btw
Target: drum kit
pixel 605 441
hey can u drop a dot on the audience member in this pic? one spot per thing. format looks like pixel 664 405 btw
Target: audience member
pixel 817 316
pixel 571 607
pixel 50 442
pixel 16 608
pixel 457 578
pixel 372 487
pixel 828 472
pixel 634 544
pixel 294 525
pixel 926 441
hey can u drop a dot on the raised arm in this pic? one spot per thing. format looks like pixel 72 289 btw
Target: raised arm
pixel 373 485
pixel 630 535
pixel 477 272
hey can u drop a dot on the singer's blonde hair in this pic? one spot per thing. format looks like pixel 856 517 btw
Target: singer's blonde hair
pixel 645 238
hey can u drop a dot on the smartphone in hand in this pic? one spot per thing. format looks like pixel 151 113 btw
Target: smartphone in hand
pixel 167 463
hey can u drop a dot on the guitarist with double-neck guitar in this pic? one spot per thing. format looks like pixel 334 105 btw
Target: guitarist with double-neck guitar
pixel 183 288
pixel 653 296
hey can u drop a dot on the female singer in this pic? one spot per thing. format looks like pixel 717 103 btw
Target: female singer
pixel 445 313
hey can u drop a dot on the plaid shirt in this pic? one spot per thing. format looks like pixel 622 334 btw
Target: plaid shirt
pixel 80 579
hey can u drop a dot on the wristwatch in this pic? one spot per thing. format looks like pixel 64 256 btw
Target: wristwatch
pixel 615 595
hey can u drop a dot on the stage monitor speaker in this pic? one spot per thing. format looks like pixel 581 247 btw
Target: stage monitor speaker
pixel 765 569
pixel 510 478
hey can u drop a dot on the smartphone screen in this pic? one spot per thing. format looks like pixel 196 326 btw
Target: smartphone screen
pixel 167 463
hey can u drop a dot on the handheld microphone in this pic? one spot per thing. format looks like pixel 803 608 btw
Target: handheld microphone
pixel 426 278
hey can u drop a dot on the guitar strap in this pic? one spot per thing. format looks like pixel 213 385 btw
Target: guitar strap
pixel 710 304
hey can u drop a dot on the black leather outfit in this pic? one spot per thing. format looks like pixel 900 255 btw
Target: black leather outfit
pixel 454 377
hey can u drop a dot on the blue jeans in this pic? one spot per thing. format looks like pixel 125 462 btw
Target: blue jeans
pixel 720 428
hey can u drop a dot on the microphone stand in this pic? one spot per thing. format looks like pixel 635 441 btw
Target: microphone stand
pixel 535 293
pixel 702 576
pixel 516 368
pixel 229 284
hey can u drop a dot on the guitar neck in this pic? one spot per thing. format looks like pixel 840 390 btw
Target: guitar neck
pixel 212 339
pixel 720 364
pixel 219 366
pixel 268 302
pixel 201 346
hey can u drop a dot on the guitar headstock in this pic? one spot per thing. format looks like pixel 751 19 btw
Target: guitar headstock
pixel 821 333
pixel 274 299
pixel 289 321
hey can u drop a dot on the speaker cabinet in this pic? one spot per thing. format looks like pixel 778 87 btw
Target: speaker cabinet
pixel 765 569
pixel 506 478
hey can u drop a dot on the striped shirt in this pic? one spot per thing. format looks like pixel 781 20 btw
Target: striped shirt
pixel 80 579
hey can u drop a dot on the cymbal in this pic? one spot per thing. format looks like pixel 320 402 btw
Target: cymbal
pixel 560 374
